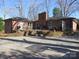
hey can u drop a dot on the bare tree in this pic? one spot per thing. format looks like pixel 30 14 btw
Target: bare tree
pixel 33 11
pixel 36 8
pixel 2 8
pixel 19 7
pixel 4 13
pixel 67 7
pixel 11 12
pixel 47 5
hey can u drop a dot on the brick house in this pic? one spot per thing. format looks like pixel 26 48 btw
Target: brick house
pixel 17 23
pixel 53 23
pixel 62 24
pixel 41 22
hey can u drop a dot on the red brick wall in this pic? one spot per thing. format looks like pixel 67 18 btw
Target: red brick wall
pixel 42 17
pixel 8 26
pixel 17 23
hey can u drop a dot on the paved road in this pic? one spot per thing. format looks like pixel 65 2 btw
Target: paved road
pixel 38 48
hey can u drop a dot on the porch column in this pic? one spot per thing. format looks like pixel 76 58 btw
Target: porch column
pixel 63 25
pixel 31 24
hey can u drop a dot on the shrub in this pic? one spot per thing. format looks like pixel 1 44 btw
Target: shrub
pixel 69 33
pixel 1 24
pixel 55 34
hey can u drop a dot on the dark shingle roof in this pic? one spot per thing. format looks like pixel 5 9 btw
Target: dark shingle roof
pixel 63 18
pixel 17 19
pixel 60 18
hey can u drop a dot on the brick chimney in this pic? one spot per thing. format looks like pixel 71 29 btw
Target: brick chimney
pixel 42 17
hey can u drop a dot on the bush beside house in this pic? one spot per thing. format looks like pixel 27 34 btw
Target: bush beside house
pixel 1 24
pixel 56 33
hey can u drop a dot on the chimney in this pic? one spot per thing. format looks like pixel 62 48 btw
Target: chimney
pixel 42 16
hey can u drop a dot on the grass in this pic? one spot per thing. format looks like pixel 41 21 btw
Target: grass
pixel 2 34
pixel 5 43
pixel 51 33
pixel 56 33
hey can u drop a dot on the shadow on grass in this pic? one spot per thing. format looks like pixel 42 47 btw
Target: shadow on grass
pixel 53 39
pixel 21 55
pixel 61 40
pixel 39 47
pixel 17 54
pixel 31 42
pixel 68 53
